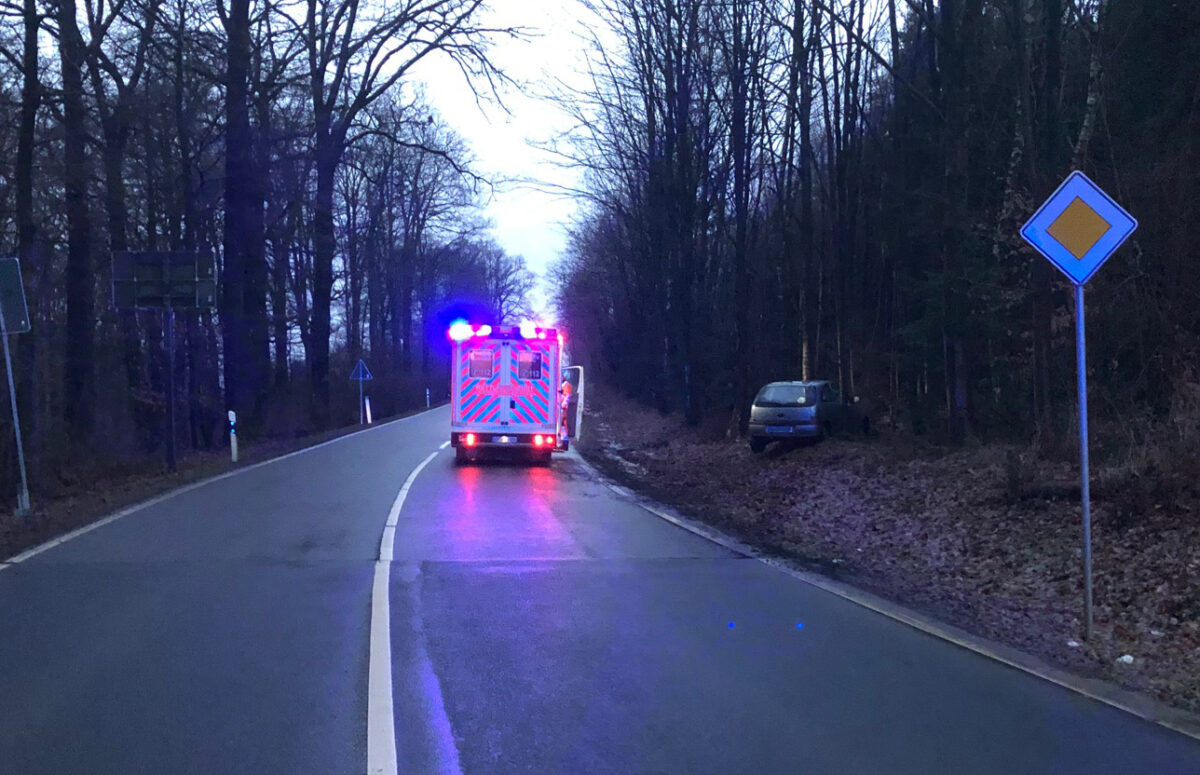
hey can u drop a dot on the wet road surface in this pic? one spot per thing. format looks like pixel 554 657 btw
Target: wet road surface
pixel 534 622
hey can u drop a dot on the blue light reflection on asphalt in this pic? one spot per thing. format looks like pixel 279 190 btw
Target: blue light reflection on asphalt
pixel 799 625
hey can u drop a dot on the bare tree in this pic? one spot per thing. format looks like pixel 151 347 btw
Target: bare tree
pixel 355 55
pixel 115 79
pixel 509 283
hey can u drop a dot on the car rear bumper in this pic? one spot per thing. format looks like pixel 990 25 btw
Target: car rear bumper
pixel 785 431
pixel 504 440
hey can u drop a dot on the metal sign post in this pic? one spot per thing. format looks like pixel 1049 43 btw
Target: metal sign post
pixel 361 374
pixel 1077 229
pixel 1085 476
pixel 14 319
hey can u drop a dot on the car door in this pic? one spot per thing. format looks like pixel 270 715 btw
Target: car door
pixel 831 408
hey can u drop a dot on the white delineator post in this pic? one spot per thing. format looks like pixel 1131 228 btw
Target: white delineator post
pixel 367 401
pixel 233 434
pixel 426 398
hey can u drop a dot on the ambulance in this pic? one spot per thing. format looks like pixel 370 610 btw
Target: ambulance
pixel 505 392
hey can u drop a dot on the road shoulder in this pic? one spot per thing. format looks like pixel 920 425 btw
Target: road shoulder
pixel 1138 704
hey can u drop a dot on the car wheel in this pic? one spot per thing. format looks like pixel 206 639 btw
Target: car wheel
pixel 757 445
pixel 543 459
pixel 826 431
pixel 460 456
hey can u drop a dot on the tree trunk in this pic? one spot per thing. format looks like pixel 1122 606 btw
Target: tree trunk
pixel 324 248
pixel 79 374
pixel 402 310
pixel 1095 71
pixel 282 251
pixel 354 282
pixel 958 19
pixel 739 149
pixel 238 169
pixel 810 361
pixel 1051 156
pixel 116 137
pixel 199 426
pixel 256 328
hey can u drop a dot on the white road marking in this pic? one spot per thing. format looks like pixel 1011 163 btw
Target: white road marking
pixel 381 731
pixel 389 527
pixel 62 539
pixel 444 445
pixel 381 718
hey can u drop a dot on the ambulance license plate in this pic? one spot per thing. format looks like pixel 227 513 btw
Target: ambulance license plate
pixel 779 429
pixel 503 440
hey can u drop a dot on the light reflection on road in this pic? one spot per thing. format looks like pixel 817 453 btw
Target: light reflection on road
pixel 506 508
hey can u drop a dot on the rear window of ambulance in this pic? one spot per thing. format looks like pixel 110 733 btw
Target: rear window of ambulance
pixel 482 363
pixel 529 366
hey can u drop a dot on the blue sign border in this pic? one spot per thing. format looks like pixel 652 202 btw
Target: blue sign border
pixel 361 373
pixel 1078 185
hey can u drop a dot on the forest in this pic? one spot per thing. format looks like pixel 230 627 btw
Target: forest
pixel 770 189
pixel 288 139
pixel 833 189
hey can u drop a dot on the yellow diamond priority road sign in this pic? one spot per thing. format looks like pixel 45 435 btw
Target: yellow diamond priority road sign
pixel 1078 228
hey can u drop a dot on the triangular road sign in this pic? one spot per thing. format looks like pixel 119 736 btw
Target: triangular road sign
pixel 361 372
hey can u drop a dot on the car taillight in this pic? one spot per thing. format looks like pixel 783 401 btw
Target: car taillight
pixel 538 441
pixel 469 439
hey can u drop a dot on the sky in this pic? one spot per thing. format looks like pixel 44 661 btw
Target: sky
pixel 526 221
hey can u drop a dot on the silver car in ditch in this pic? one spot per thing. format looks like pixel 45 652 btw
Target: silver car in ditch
pixel 802 410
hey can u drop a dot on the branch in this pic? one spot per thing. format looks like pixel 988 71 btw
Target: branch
pixel 881 60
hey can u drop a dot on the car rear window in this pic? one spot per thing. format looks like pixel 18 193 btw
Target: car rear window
pixel 786 395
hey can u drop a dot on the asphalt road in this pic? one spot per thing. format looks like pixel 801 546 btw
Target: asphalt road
pixel 533 622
